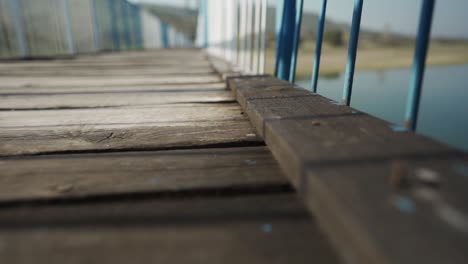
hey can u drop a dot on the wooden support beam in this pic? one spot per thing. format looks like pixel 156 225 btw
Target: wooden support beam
pixel 381 195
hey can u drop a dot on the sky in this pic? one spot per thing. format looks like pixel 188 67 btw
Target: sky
pixel 401 16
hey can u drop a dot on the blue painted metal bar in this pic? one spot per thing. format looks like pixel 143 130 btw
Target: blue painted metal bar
pixel 352 52
pixel 114 26
pixel 287 35
pixel 296 39
pixel 68 27
pixel 96 26
pixel 19 27
pixel 205 23
pixel 164 35
pixel 137 27
pixel 278 25
pixel 2 37
pixel 419 65
pixel 124 10
pixel 318 46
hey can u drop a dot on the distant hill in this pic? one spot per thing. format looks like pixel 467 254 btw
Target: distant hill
pixel 186 21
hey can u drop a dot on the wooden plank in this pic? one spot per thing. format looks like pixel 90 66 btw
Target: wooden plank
pixel 271 92
pixel 104 71
pixel 419 224
pixel 185 125
pixel 254 82
pixel 144 58
pixel 41 81
pixel 103 65
pixel 292 104
pixel 50 101
pixel 152 62
pixel 342 162
pixel 245 229
pixel 112 89
pixel 83 175
pixel 176 54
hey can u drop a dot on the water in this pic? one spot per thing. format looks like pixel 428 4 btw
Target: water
pixel 444 104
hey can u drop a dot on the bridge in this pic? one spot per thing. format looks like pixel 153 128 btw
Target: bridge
pixel 140 145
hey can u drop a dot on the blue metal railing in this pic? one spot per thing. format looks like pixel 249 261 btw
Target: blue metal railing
pixel 114 33
pixel 318 47
pixel 64 28
pixel 19 28
pixel 96 26
pixel 352 52
pixel 289 29
pixel 165 35
pixel 289 14
pixel 68 26
pixel 422 45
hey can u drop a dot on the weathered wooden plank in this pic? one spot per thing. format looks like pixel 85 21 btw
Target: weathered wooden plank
pixel 292 104
pixel 418 224
pixel 59 81
pixel 83 175
pixel 104 71
pixel 246 229
pixel 340 160
pixel 29 132
pixel 270 93
pixel 254 82
pixel 112 89
pixel 146 58
pixel 48 101
pixel 224 68
pixel 154 62
pixel 176 54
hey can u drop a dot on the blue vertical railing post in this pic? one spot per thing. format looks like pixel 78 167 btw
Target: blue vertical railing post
pixel 205 10
pixel 137 27
pixel 287 39
pixel 318 46
pixel 124 10
pixel 68 27
pixel 114 26
pixel 96 26
pixel 278 24
pixel 419 64
pixel 352 52
pixel 296 39
pixel 164 35
pixel 19 27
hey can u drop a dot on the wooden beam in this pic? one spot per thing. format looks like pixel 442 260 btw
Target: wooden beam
pixel 381 195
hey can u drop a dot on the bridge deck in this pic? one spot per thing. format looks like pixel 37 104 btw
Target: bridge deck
pixel 140 157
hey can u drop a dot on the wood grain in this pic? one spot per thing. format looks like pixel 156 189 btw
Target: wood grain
pixel 155 127
pixel 82 175
pixel 59 81
pixel 93 71
pixel 91 90
pixel 93 100
pixel 247 229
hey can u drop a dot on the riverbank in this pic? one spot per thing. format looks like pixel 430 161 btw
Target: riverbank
pixel 371 58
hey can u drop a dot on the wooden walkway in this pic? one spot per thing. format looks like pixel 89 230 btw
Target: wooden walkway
pixel 140 158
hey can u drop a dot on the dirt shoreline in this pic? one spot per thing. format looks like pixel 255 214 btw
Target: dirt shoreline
pixel 372 58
